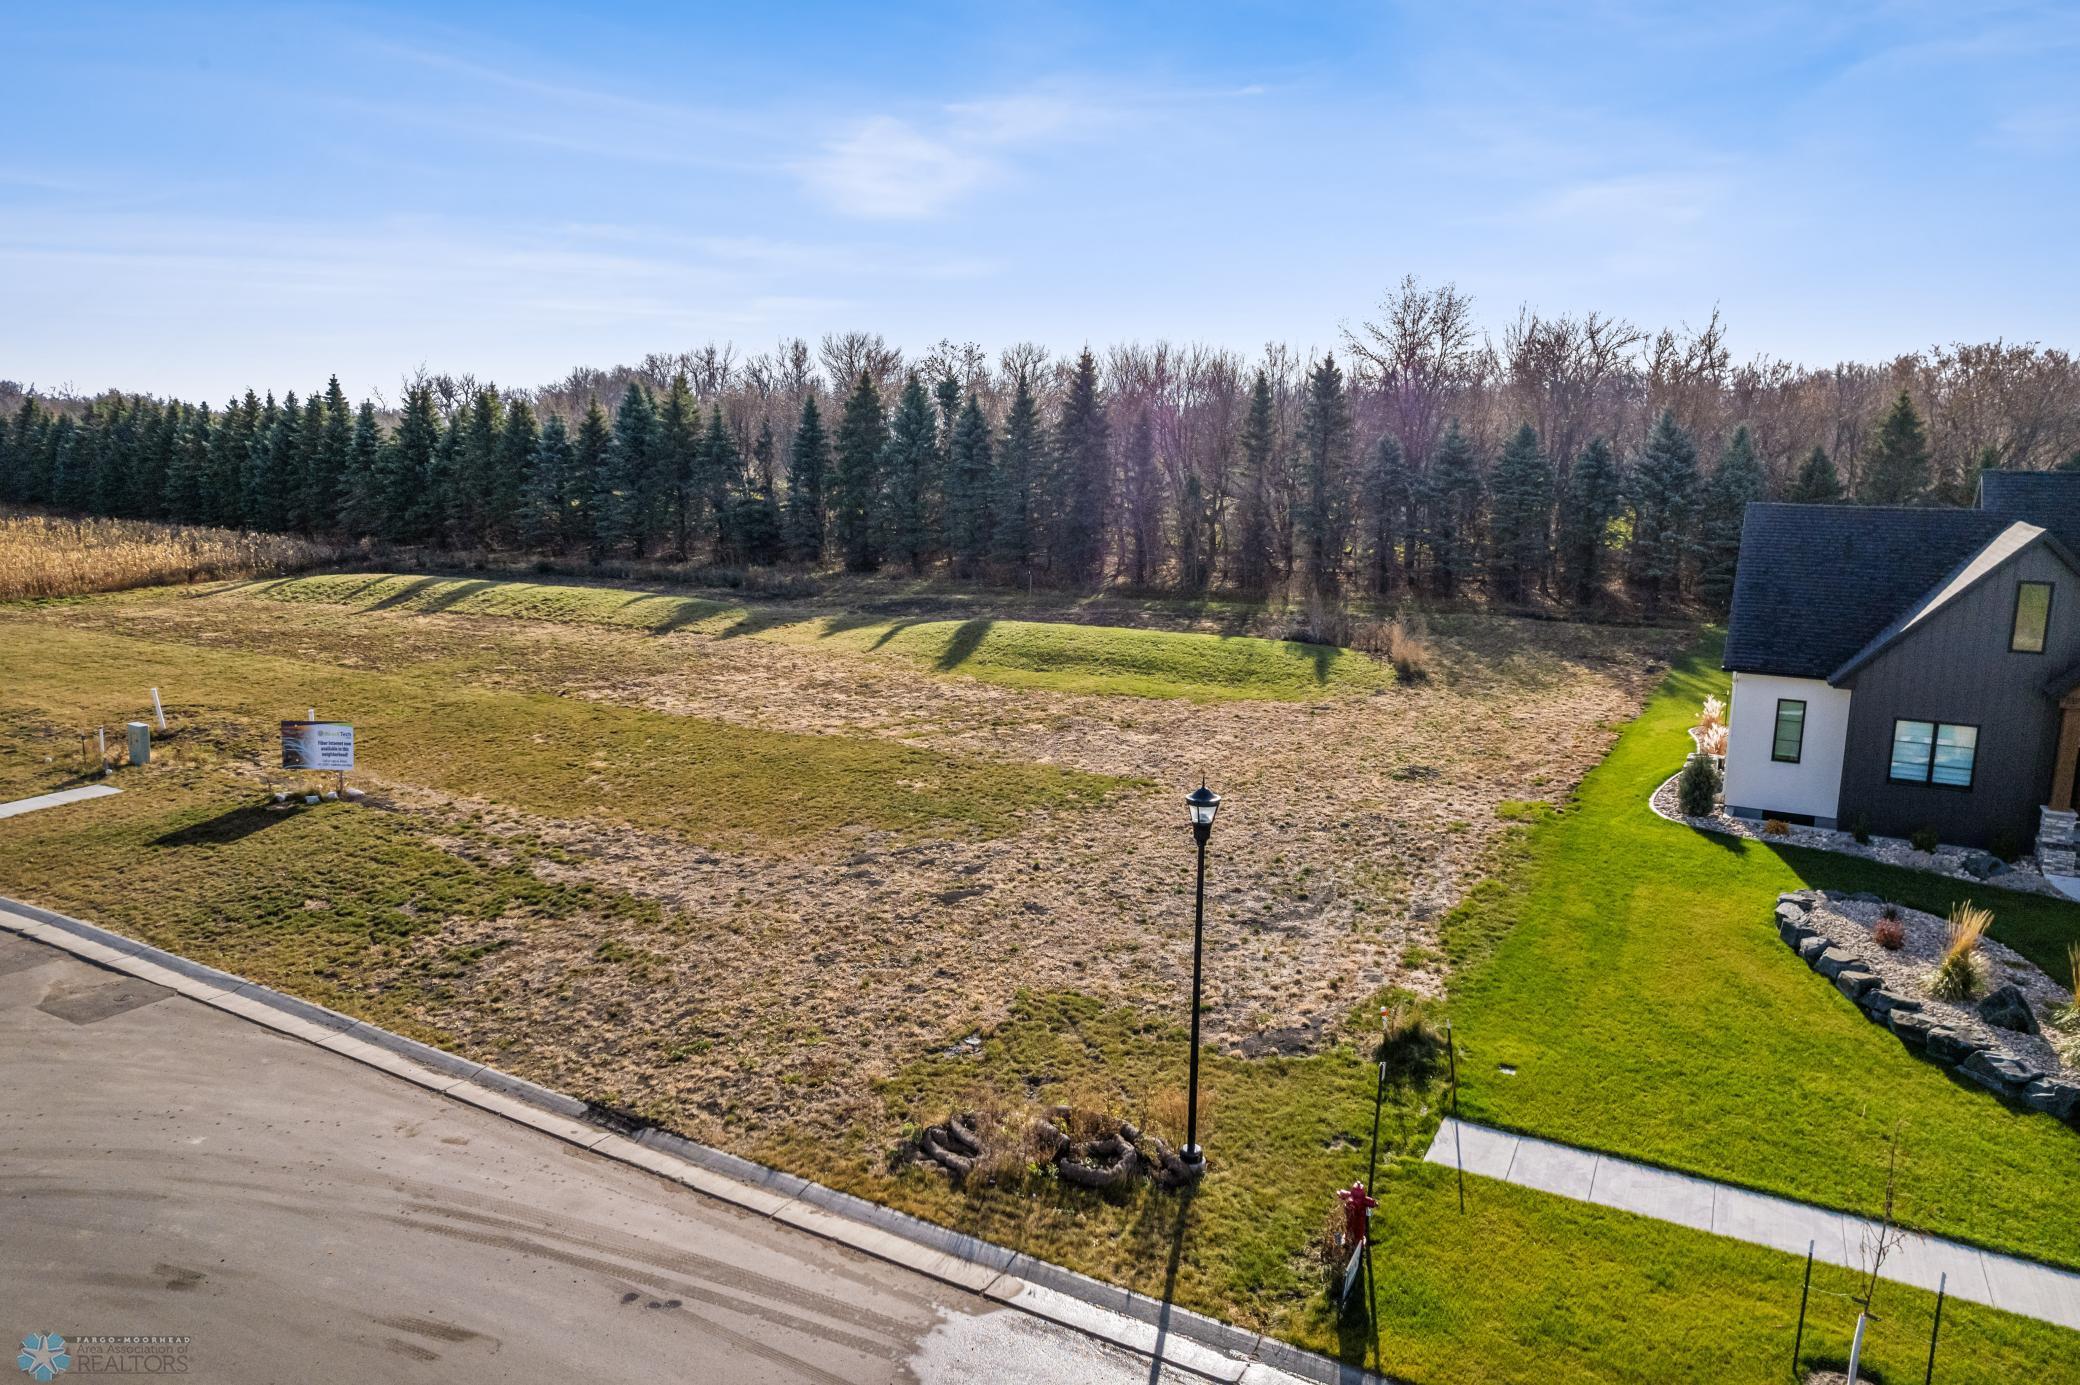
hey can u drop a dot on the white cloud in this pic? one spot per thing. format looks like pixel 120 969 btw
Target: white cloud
pixel 888 169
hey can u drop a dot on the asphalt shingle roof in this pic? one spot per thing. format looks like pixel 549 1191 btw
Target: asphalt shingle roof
pixel 2049 498
pixel 1817 583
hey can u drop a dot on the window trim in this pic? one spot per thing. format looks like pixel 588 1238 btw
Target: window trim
pixel 1776 741
pixel 1935 733
pixel 2015 618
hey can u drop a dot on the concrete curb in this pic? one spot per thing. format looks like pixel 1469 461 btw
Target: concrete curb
pixel 1135 1322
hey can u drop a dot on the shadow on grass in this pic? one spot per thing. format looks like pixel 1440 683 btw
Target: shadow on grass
pixel 1179 1223
pixel 407 592
pixel 967 638
pixel 233 825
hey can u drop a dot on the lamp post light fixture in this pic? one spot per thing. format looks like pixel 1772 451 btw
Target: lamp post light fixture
pixel 1203 803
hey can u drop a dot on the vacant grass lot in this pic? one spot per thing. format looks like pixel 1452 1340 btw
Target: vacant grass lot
pixel 1638 987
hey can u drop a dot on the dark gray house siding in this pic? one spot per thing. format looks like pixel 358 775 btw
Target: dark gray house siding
pixel 1957 667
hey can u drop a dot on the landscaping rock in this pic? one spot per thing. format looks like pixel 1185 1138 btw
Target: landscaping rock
pixel 1792 914
pixel 1950 1045
pixel 1811 947
pixel 1832 960
pixel 2008 1076
pixel 1855 979
pixel 2054 1095
pixel 2009 1008
pixel 1880 1004
pixel 1982 865
pixel 1914 1030
pixel 1794 933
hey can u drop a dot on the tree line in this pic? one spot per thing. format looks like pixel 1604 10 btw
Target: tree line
pixel 1573 454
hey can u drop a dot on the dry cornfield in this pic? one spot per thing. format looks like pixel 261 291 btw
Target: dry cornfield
pixel 42 555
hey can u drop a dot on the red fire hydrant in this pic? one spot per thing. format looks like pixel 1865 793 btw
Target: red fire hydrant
pixel 1357 1211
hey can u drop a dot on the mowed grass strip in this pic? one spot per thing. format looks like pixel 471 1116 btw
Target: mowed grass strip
pixel 1628 969
pixel 710 781
pixel 1049 655
pixel 1115 661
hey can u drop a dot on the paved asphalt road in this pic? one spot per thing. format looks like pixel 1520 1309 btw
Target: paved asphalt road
pixel 166 1169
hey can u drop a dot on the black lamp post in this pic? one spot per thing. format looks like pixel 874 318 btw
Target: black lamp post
pixel 1203 803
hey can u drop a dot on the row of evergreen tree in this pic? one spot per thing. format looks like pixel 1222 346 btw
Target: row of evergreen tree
pixel 1036 495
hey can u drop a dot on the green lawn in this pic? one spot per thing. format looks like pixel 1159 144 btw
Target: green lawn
pixel 1096 659
pixel 1629 970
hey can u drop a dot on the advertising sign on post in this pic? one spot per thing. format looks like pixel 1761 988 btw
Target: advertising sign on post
pixel 325 745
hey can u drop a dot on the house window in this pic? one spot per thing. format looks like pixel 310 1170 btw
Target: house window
pixel 1791 730
pixel 1933 752
pixel 2032 617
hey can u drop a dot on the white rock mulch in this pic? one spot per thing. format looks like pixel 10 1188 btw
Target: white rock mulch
pixel 1846 922
pixel 2022 875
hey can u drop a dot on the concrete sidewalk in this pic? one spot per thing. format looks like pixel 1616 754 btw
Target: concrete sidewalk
pixel 55 800
pixel 2022 1287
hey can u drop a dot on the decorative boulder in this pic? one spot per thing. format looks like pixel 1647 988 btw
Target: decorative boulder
pixel 2008 1008
pixel 2003 1074
pixel 1811 946
pixel 1950 1045
pixel 1833 961
pixel 2054 1095
pixel 1913 1030
pixel 1855 979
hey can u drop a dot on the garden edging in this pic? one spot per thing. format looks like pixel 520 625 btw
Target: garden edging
pixel 1963 1053
pixel 1204 1346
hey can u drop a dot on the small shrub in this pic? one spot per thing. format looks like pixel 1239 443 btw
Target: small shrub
pixel 1961 974
pixel 1860 829
pixel 1775 827
pixel 1698 789
pixel 1714 714
pixel 1889 933
pixel 1405 648
pixel 1712 740
pixel 1924 839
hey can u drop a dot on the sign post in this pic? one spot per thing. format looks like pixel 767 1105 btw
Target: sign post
pixel 319 745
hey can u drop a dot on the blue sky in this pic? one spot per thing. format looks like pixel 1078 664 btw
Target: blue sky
pixel 194 199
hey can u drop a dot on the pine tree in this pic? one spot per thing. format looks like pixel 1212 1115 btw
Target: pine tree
pixel 723 465
pixel 1256 546
pixel 1018 471
pixel 856 492
pixel 679 458
pixel 410 505
pixel 1520 517
pixel 361 493
pixel 1389 498
pixel 969 486
pixel 229 449
pixel 506 486
pixel 21 476
pixel 1662 495
pixel 907 463
pixel 324 481
pixel 187 479
pixel 1817 482
pixel 1081 492
pixel 1453 498
pixel 627 514
pixel 1595 496
pixel 808 471
pixel 755 516
pixel 1321 504
pixel 1736 480
pixel 591 486
pixel 1896 470
pixel 550 518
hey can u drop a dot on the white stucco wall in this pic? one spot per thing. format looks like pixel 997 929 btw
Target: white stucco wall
pixel 1759 784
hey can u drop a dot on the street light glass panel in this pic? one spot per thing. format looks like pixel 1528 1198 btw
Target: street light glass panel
pixel 1203 803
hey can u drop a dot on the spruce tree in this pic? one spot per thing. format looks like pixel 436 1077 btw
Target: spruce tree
pixel 1817 482
pixel 969 487
pixel 755 515
pixel 856 489
pixel 1080 495
pixel 1736 480
pixel 1594 499
pixel 627 515
pixel 594 508
pixel 1389 497
pixel 361 495
pixel 1896 470
pixel 1453 497
pixel 808 473
pixel 410 505
pixel 1662 495
pixel 187 480
pixel 908 462
pixel 1018 472
pixel 1321 503
pixel 1256 545
pixel 550 518
pixel 679 458
pixel 1520 517
pixel 506 489
pixel 324 483
pixel 723 465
